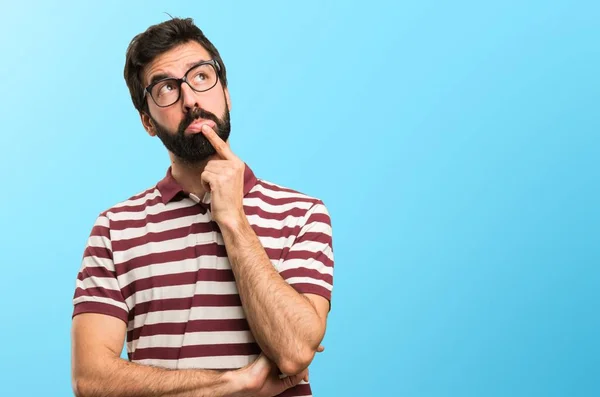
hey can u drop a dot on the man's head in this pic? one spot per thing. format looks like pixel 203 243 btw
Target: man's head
pixel 170 108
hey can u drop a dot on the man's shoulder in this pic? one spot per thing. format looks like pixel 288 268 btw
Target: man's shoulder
pixel 275 206
pixel 275 194
pixel 139 202
pixel 272 201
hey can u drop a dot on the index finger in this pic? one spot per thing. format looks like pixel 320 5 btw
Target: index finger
pixel 219 144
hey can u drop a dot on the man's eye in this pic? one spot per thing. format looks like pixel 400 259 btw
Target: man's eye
pixel 166 88
pixel 201 76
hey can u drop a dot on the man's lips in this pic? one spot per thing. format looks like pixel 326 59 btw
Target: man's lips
pixel 196 126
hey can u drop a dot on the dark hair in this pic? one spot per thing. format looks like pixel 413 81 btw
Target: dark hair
pixel 157 40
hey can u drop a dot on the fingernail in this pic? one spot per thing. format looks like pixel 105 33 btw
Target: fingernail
pixel 205 128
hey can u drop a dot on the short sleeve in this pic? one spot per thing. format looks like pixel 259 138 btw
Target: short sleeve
pixel 97 289
pixel 308 265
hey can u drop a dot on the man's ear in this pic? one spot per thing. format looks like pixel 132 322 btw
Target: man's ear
pixel 147 123
pixel 227 99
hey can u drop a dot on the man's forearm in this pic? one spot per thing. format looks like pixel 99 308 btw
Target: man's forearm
pixel 284 323
pixel 116 377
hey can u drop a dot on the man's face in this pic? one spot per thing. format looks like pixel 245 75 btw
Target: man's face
pixel 179 125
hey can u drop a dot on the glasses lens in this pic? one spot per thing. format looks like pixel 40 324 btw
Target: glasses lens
pixel 202 77
pixel 166 92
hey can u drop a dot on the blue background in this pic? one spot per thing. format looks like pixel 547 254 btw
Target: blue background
pixel 456 145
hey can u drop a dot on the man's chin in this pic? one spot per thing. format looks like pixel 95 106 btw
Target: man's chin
pixel 195 159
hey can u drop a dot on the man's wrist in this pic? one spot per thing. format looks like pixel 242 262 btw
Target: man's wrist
pixel 237 383
pixel 234 223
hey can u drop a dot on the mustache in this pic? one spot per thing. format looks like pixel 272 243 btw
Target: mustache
pixel 193 115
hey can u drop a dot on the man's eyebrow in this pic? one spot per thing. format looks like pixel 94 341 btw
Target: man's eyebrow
pixel 191 64
pixel 161 76
pixel 158 77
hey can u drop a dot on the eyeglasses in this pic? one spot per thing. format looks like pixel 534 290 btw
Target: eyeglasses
pixel 200 77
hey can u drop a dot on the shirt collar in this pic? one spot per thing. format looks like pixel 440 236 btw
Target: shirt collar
pixel 169 188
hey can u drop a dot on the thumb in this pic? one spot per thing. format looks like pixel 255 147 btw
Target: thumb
pixel 205 178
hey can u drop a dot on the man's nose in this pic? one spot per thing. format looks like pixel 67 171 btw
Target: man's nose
pixel 189 97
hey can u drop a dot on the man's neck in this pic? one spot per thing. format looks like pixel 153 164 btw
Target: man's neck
pixel 188 176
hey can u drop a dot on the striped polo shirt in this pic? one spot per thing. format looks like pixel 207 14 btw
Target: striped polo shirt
pixel 158 262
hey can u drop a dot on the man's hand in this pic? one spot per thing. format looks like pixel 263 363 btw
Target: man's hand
pixel 223 176
pixel 261 378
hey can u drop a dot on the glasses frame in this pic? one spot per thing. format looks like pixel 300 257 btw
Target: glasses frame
pixel 213 62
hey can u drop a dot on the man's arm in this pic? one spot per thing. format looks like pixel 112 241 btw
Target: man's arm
pixel 98 370
pixel 287 325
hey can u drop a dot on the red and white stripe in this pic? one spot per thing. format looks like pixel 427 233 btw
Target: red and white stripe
pixel 160 265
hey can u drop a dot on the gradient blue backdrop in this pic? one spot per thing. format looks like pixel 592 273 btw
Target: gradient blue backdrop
pixel 456 145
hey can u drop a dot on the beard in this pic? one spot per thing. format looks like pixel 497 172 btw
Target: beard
pixel 193 149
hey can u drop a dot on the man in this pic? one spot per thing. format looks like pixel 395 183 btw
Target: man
pixel 219 281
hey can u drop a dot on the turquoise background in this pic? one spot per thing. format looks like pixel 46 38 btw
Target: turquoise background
pixel 456 145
